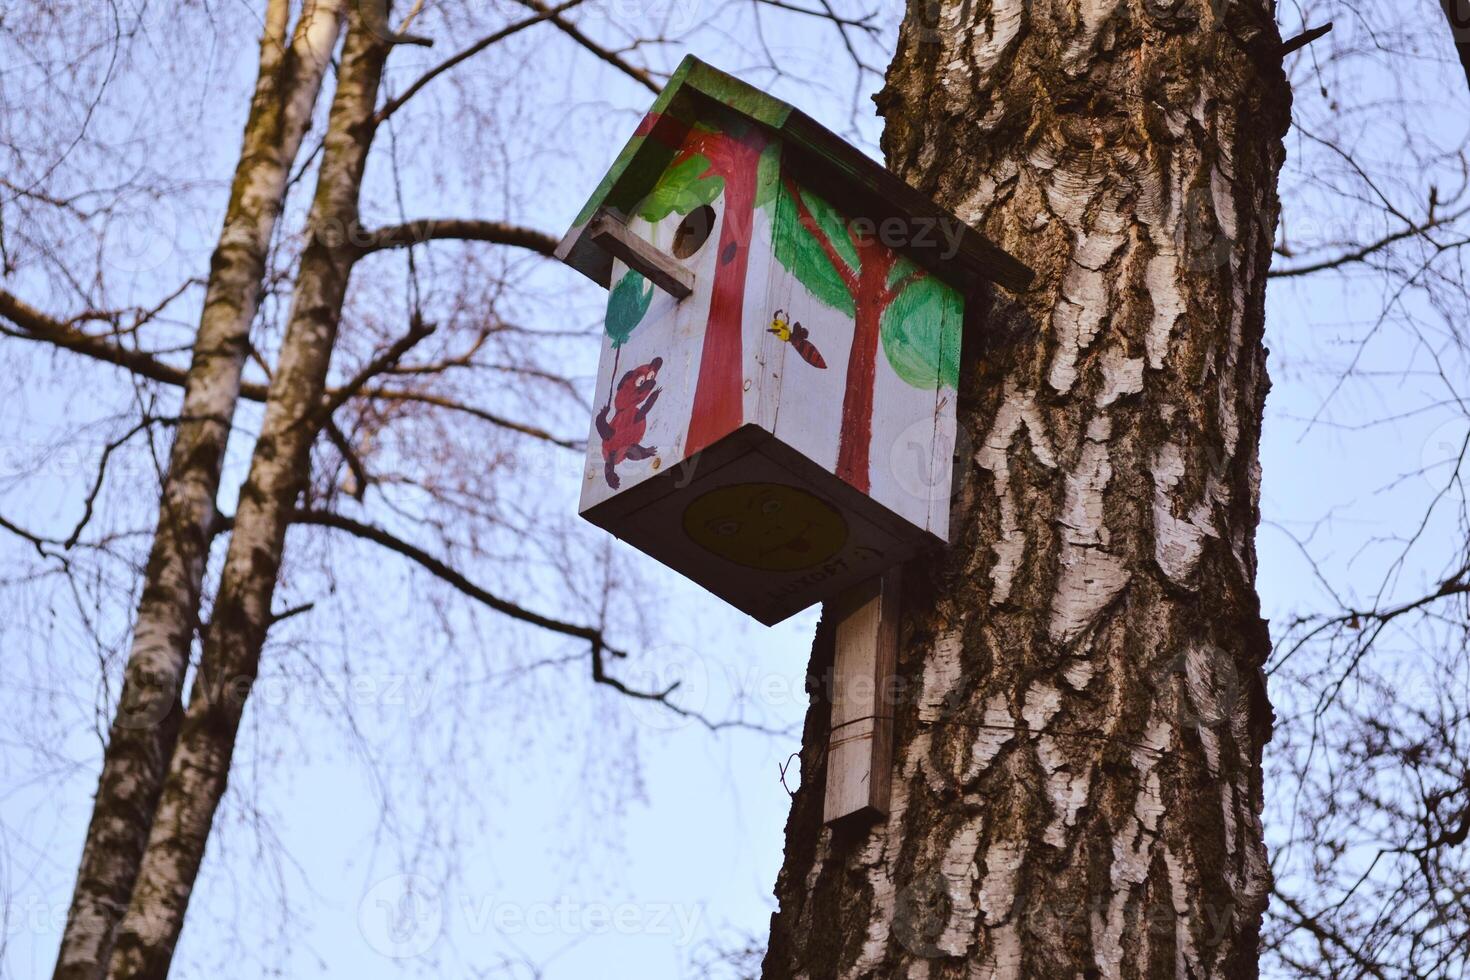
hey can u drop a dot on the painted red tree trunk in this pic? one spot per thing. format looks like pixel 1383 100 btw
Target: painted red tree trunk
pixel 870 299
pixel 717 393
pixel 871 295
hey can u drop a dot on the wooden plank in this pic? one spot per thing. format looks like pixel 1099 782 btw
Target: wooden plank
pixel 613 236
pixel 860 737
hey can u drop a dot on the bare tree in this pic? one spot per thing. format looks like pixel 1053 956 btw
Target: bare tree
pixel 143 731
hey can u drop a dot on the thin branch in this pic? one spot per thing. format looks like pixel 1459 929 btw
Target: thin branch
pixel 107 452
pixel 286 614
pixel 418 329
pixel 1360 254
pixel 37 326
pixel 37 541
pixel 451 576
pixel 600 648
pixel 390 394
pixel 1309 922
pixel 639 75
pixel 863 23
pixel 1304 39
pixel 354 462
pixel 396 103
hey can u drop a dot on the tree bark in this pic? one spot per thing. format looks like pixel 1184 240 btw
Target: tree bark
pixel 199 768
pixel 1457 12
pixel 1077 781
pixel 145 726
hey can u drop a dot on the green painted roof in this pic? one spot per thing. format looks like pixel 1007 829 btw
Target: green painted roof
pixel 857 183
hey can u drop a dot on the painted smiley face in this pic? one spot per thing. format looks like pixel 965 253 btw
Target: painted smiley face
pixel 769 526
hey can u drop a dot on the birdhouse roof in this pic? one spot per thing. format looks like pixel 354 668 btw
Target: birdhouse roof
pixel 851 179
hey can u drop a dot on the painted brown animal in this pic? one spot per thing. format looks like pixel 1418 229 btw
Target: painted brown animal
pixel 622 434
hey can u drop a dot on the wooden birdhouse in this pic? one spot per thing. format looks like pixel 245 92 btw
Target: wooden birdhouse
pixel 775 405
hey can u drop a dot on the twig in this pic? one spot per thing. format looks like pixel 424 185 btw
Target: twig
pixel 639 75
pixel 418 329
pixel 1304 39
pixel 396 103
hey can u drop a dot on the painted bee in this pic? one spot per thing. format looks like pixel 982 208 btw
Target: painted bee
pixel 795 334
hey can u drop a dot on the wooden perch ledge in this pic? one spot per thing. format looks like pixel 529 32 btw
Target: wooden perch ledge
pixel 611 234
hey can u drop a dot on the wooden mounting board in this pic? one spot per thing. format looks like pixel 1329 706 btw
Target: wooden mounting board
pixel 860 738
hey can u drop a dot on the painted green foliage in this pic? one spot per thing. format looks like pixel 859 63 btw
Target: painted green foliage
pixel 683 187
pixel 693 182
pixel 917 346
pixel 627 302
pixel 805 258
pixel 687 184
pixel 916 342
pixel 914 339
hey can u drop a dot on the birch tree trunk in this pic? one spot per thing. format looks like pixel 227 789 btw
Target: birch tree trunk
pixel 145 726
pixel 199 768
pixel 1077 781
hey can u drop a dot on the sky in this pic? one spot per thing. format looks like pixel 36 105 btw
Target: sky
pixel 600 836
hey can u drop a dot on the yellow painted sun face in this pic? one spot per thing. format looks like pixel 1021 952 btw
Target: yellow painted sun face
pixel 769 526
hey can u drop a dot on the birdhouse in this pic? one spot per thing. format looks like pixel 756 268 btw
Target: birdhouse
pixel 774 414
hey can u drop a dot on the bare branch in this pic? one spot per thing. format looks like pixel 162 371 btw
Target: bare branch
pixel 438 229
pixel 396 103
pixel 438 401
pixel 418 329
pixel 863 23
pixel 639 75
pixel 354 462
pixel 35 325
pixel 445 573
pixel 107 452
pixel 1360 254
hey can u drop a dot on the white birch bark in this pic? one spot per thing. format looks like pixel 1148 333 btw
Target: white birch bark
pixel 142 734
pixel 199 768
pixel 1077 781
